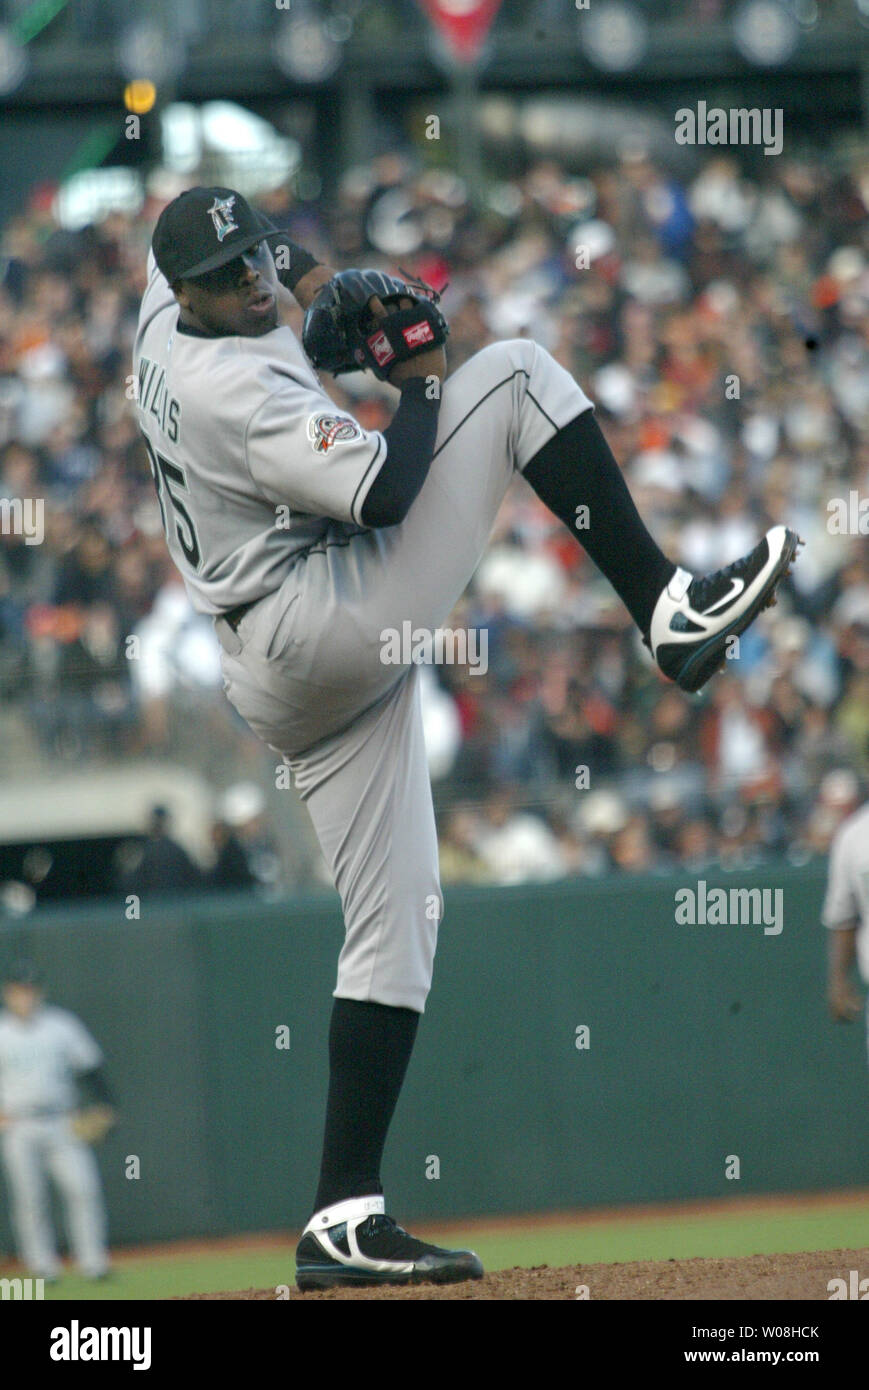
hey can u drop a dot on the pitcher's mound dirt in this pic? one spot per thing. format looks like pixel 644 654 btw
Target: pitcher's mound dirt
pixel 800 1276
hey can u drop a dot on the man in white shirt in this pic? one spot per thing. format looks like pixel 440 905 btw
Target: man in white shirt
pixel 46 1056
pixel 846 914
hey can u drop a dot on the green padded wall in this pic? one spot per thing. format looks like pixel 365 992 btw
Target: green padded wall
pixel 705 1041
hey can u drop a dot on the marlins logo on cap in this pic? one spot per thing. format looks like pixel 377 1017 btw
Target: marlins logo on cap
pixel 190 237
pixel 220 213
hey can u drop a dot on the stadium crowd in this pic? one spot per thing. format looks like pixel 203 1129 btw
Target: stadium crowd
pixel 721 325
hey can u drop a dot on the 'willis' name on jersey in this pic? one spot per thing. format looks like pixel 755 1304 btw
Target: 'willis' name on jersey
pixel 153 396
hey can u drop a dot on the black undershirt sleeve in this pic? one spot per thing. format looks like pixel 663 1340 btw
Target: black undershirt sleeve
pixel 410 441
pixel 94 1087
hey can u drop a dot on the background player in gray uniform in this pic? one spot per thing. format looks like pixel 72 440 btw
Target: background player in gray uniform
pixel 846 914
pixel 47 1057
pixel 308 538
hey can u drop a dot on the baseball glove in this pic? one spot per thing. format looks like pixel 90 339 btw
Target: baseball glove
pixel 340 333
pixel 92 1124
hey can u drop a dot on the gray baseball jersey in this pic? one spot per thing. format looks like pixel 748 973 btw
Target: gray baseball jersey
pixel 238 426
pixel 249 456
pixel 847 898
pixel 39 1059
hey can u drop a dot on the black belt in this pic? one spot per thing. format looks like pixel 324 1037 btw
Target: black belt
pixel 235 615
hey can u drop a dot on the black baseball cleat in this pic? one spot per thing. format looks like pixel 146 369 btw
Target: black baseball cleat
pixel 356 1243
pixel 694 618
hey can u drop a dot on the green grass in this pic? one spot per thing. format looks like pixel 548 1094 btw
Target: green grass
pixel 166 1276
pixel 679 1236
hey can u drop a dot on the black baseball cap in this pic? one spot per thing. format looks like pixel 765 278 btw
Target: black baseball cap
pixel 205 228
pixel 22 972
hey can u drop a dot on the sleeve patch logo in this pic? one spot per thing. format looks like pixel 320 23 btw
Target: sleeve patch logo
pixel 418 333
pixel 324 431
pixel 380 347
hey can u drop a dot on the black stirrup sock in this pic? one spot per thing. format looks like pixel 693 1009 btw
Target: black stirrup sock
pixel 369 1049
pixel 576 468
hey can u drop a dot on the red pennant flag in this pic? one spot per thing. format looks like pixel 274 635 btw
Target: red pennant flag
pixel 463 23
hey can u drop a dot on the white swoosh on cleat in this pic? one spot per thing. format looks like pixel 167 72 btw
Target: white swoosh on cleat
pixel 737 586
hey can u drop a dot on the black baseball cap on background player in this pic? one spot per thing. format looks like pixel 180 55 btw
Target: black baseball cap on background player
pixel 205 228
pixel 23 972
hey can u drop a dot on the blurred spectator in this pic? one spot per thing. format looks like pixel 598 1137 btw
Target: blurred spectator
pixel 460 861
pixel 722 328
pixel 839 799
pixel 159 866
pixel 231 871
pixel 246 857
pixel 515 846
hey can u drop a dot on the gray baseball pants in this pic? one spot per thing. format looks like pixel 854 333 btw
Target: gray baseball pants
pixel 305 667
pixel 33 1150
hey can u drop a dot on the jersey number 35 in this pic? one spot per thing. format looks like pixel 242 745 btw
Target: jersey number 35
pixel 169 480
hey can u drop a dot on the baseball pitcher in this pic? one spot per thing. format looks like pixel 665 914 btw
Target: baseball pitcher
pixel 306 536
pixel 47 1058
